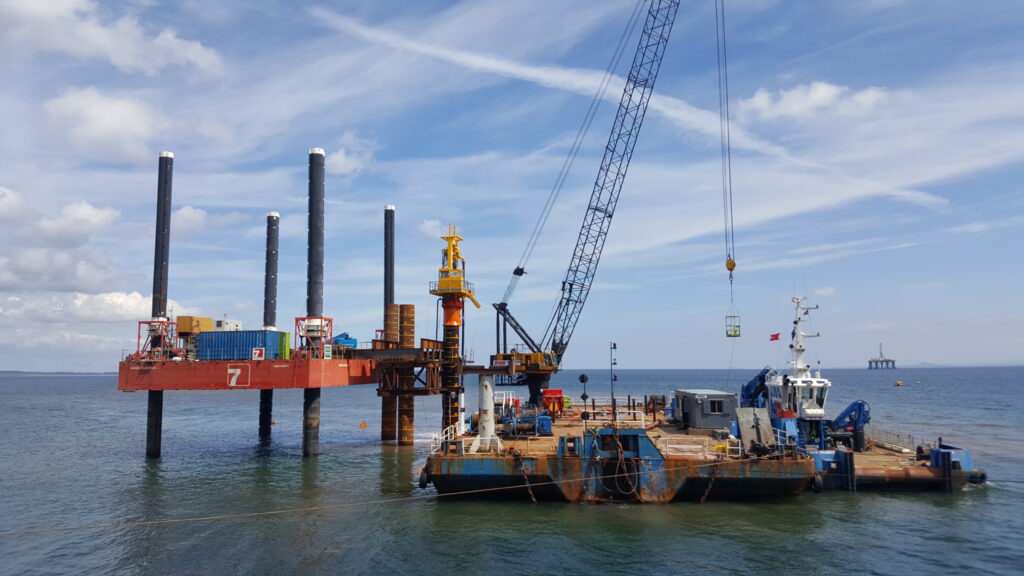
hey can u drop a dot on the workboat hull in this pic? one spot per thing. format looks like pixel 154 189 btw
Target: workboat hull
pixel 639 480
pixel 943 469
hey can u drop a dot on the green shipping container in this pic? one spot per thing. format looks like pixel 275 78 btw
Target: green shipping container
pixel 284 349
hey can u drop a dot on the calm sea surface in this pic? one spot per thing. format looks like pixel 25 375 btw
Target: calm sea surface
pixel 72 455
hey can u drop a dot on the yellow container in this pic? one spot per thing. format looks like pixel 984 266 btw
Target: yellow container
pixel 194 324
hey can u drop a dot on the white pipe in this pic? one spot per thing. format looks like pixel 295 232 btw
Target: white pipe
pixel 486 440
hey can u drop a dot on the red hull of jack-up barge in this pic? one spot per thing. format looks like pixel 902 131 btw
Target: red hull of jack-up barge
pixel 135 375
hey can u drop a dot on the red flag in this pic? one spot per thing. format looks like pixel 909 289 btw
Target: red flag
pixel 775 336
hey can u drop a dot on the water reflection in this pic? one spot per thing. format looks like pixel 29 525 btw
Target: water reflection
pixel 264 447
pixel 397 472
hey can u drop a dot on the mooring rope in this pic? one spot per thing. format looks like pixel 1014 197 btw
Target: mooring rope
pixel 319 508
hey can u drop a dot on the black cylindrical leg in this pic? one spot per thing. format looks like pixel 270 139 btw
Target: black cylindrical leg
pixel 314 293
pixel 315 255
pixel 154 423
pixel 311 422
pixel 270 275
pixel 266 412
pixel 163 234
pixel 389 256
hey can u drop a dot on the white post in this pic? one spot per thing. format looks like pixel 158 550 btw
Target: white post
pixel 486 440
pixel 462 411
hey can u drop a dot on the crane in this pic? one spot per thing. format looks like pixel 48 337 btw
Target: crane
pixel 535 367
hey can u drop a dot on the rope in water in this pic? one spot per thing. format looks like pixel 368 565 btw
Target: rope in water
pixel 322 508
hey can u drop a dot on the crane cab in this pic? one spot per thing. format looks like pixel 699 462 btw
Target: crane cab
pixel 526 362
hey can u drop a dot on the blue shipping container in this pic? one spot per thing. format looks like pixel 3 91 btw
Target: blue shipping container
pixel 237 345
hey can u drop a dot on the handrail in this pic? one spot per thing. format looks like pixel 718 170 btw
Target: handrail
pixel 623 418
pixel 437 441
pixel 898 439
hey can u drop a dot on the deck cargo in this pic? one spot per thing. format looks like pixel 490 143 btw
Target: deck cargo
pixel 194 324
pixel 239 345
pixel 704 408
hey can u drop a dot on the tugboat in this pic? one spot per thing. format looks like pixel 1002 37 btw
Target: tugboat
pixel 843 456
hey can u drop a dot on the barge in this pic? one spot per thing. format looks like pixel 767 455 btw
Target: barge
pixel 698 446
pixel 604 453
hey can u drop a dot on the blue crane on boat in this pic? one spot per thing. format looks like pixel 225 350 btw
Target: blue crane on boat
pixel 535 366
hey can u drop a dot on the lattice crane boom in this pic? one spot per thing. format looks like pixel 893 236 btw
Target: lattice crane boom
pixel 612 173
pixel 535 366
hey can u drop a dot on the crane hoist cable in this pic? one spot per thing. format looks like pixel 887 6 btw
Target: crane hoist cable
pixel 726 144
pixel 732 318
pixel 574 149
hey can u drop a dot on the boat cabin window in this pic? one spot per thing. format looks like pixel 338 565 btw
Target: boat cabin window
pixel 815 394
pixel 820 399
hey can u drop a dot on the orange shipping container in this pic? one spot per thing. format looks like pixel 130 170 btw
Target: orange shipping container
pixel 194 324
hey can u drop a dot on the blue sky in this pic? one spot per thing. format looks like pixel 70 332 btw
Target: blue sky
pixel 878 150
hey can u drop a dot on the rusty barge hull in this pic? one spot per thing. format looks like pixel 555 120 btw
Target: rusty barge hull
pixel 910 479
pixel 639 480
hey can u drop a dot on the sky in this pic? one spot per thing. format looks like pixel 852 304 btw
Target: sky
pixel 877 160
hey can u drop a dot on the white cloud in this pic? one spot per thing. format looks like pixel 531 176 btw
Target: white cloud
pixel 76 223
pixel 825 292
pixel 44 269
pixel 105 307
pixel 15 211
pixel 580 81
pixel 65 339
pixel 976 227
pixel 47 253
pixel 75 27
pixel 76 322
pixel 28 227
pixel 432 228
pixel 188 220
pixel 807 100
pixel 106 127
pixel 353 156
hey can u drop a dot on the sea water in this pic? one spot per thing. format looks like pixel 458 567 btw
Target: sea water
pixel 72 455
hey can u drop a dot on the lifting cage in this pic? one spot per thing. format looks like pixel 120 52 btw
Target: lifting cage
pixel 732 326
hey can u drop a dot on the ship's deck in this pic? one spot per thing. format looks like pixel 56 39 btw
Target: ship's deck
pixel 668 438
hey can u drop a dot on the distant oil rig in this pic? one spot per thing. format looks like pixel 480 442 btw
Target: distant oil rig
pixel 881 363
